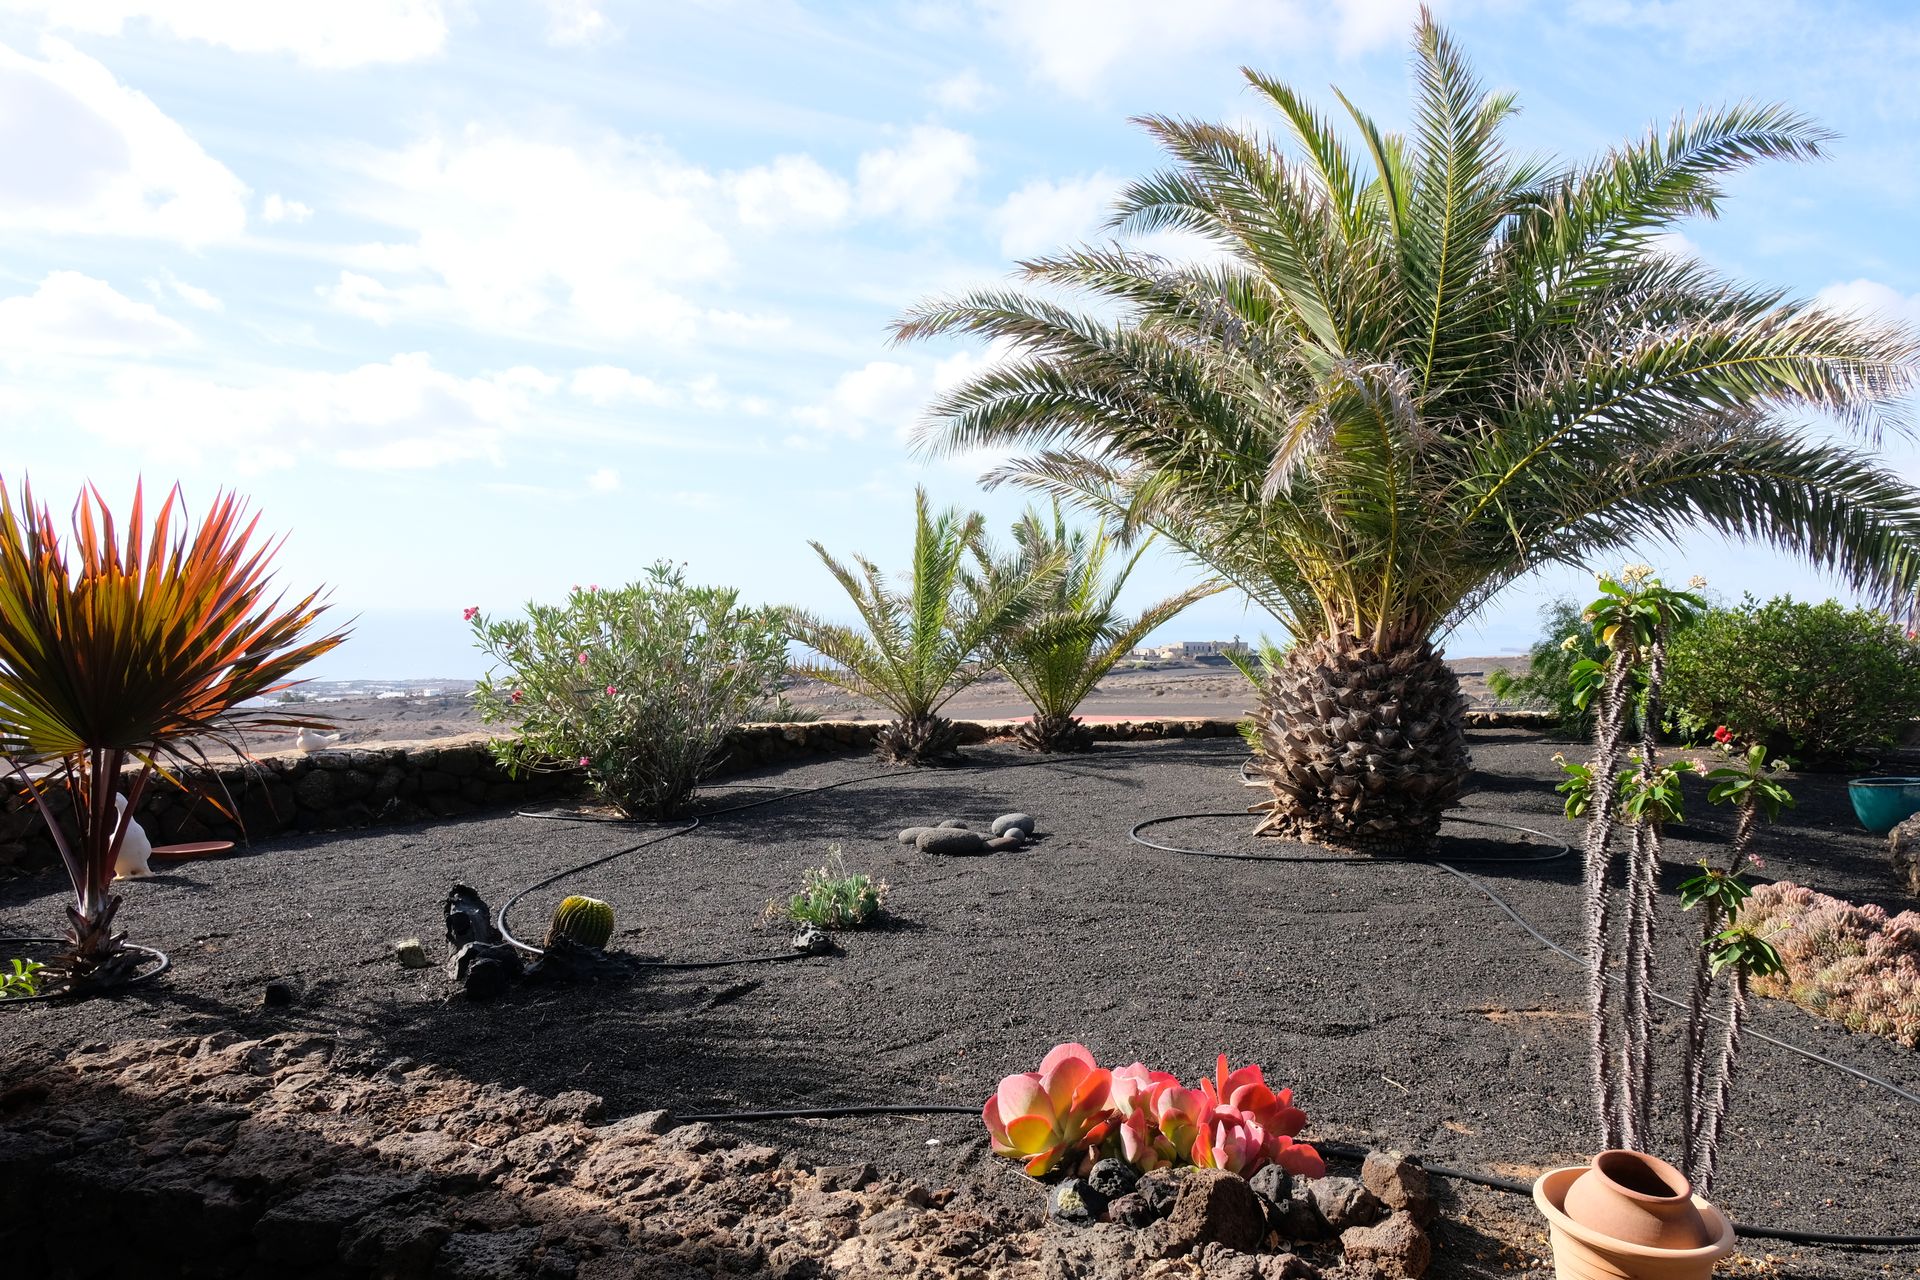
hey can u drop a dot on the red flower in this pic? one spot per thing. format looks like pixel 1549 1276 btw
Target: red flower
pixel 1722 735
pixel 469 613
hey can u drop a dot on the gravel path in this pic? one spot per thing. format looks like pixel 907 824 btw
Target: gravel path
pixel 1401 1005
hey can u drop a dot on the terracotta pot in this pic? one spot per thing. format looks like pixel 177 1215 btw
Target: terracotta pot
pixel 1643 1199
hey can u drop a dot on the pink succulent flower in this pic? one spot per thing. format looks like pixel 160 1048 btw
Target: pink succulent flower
pixel 1052 1115
pixel 1246 1090
pixel 469 613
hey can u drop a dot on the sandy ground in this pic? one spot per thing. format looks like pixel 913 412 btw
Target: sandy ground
pixel 1178 692
pixel 1404 1008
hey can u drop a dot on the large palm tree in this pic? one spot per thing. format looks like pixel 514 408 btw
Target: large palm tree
pixel 1076 632
pixel 1413 370
pixel 922 645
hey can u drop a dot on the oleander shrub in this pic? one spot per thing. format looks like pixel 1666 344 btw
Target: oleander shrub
pixel 637 686
pixel 1821 683
pixel 1856 965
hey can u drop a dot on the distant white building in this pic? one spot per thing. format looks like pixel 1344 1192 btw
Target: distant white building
pixel 1188 650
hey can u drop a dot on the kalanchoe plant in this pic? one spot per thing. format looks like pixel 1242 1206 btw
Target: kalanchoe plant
pixel 1071 1112
pixel 133 657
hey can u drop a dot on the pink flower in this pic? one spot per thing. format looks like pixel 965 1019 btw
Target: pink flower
pixel 469 613
pixel 610 691
pixel 593 586
pixel 515 696
pixel 584 762
pixel 582 659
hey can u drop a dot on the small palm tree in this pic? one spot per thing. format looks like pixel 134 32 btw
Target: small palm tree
pixel 132 657
pixel 923 645
pixel 1076 632
pixel 1419 368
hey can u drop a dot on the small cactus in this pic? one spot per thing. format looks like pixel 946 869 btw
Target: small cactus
pixel 587 922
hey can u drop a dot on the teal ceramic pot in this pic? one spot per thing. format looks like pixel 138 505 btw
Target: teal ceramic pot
pixel 1882 804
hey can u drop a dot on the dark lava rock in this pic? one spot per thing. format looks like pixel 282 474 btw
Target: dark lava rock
pixel 1113 1178
pixel 951 842
pixel 1160 1187
pixel 308 1225
pixel 484 969
pixel 1399 1183
pixel 1214 1207
pixel 811 941
pixel 1074 1200
pixel 278 995
pixel 1396 1249
pixel 1272 1183
pixel 1344 1202
pixel 468 918
pixel 1132 1210
pixel 1295 1218
pixel 1013 821
pixel 1903 848
pixel 489 1255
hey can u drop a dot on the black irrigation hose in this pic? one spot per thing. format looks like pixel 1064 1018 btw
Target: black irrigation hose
pixel 87 993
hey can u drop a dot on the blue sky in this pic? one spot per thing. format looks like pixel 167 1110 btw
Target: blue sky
pixel 479 299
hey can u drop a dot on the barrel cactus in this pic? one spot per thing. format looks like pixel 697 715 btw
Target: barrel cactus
pixel 586 922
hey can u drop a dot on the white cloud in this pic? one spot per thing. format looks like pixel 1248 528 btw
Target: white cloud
pixel 792 191
pixel 1873 299
pixel 77 315
pixel 1043 216
pixel 334 34
pixel 576 22
pixel 279 209
pixel 1077 45
pixel 85 154
pixel 920 179
pixel 193 295
pixel 604 480
pixel 506 232
pixel 963 91
pixel 400 414
pixel 606 384
pixel 882 393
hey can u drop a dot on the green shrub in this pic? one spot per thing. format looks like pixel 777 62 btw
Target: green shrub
pixel 832 897
pixel 1565 639
pixel 1821 683
pixel 20 978
pixel 637 686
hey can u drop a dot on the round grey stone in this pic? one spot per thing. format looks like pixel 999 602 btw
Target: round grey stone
pixel 954 824
pixel 1006 821
pixel 910 834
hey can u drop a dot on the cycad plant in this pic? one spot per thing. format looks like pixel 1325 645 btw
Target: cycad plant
pixel 134 657
pixel 1416 369
pixel 922 645
pixel 1075 632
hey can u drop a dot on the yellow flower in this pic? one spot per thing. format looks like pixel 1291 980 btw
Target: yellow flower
pixel 1570 644
pixel 1697 583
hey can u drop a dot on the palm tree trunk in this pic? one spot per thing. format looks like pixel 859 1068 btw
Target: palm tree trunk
pixel 1365 748
pixel 1054 733
pixel 922 739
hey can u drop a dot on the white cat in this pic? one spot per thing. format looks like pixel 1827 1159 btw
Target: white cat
pixel 135 848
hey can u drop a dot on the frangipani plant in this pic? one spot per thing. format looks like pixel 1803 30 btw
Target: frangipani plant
pixel 134 655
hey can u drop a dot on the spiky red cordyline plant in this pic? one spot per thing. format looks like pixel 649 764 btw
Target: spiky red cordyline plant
pixel 132 656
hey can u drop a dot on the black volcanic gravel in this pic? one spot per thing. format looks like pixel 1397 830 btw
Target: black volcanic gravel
pixel 1400 1004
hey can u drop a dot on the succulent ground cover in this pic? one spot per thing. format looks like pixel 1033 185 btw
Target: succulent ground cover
pixel 1401 1008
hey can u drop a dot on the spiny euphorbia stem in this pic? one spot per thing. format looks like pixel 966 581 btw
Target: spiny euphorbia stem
pixel 1709 1145
pixel 1609 732
pixel 1643 887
